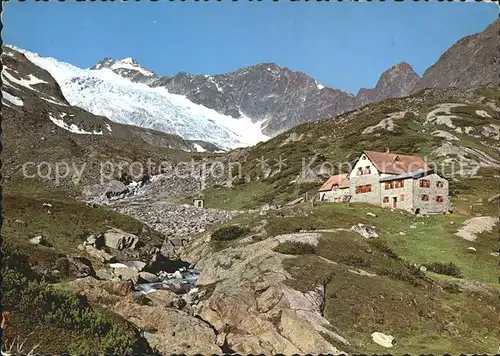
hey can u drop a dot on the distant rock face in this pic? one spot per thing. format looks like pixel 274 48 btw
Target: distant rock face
pixel 276 96
pixel 472 61
pixel 395 82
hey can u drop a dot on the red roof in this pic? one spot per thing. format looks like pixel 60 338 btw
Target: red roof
pixel 341 180
pixel 395 163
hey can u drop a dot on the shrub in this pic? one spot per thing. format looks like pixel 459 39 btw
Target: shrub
pixel 231 232
pixel 382 246
pixel 404 272
pixel 451 288
pixel 355 261
pixel 449 269
pixel 295 248
pixel 36 303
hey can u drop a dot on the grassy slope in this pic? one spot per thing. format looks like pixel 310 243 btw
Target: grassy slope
pixel 398 301
pixel 64 225
pixel 432 241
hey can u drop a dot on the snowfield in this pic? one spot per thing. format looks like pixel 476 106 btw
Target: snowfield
pixel 105 93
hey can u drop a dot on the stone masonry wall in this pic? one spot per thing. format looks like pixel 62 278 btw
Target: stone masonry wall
pixel 406 192
pixel 334 193
pixel 372 197
pixel 431 206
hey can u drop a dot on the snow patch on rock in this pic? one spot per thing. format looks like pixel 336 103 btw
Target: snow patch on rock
pixel 12 99
pixel 71 128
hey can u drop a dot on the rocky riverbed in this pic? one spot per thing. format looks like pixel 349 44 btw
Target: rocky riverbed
pixel 149 201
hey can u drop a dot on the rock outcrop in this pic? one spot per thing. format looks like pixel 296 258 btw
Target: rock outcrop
pixel 170 331
pixel 251 303
pixel 119 240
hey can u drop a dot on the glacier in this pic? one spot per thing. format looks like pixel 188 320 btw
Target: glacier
pixel 105 93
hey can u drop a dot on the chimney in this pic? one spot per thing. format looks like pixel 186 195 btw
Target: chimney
pixel 387 150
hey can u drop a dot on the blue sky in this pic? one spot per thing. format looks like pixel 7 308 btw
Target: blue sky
pixel 342 45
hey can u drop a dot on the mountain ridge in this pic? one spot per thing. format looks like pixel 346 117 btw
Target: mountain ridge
pixel 254 103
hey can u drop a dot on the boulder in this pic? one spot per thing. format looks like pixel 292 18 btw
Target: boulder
pixel 119 288
pixel 138 265
pixel 365 231
pixel 146 277
pixel 383 339
pixel 167 299
pixel 38 240
pixel 104 293
pixel 371 214
pixel 119 240
pixel 169 331
pixel 81 267
pixel 99 254
pixel 126 274
pixel 171 247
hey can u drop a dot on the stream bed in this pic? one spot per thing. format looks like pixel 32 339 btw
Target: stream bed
pixel 181 281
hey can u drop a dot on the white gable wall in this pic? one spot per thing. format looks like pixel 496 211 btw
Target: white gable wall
pixel 363 162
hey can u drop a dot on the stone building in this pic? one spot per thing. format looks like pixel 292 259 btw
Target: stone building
pixel 390 180
pixel 335 189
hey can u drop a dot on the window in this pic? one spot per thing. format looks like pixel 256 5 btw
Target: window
pixel 360 171
pixel 402 197
pixel 440 199
pixel 389 185
pixel 367 170
pixel 425 197
pixel 440 184
pixel 386 199
pixel 363 188
pixel 425 183
pixel 399 184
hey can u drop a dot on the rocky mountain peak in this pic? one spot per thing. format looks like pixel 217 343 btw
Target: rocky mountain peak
pixel 128 68
pixel 395 82
pixel 472 61
pixel 105 63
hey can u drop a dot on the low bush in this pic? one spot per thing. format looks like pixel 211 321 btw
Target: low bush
pixel 295 248
pixel 231 232
pixel 404 272
pixel 449 269
pixel 37 304
pixel 382 246
pixel 354 261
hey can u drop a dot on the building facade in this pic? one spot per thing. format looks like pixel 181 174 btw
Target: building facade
pixel 390 180
pixel 336 189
